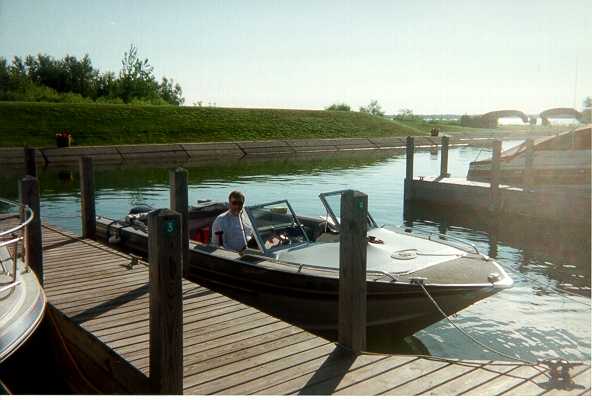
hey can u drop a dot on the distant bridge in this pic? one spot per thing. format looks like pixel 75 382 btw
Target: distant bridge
pixel 490 119
pixel 561 112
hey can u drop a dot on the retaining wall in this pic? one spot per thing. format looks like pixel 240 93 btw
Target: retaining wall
pixel 204 152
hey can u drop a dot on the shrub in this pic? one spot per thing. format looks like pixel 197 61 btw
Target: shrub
pixel 109 100
pixel 406 114
pixel 73 98
pixel 338 107
pixel 148 102
pixel 373 109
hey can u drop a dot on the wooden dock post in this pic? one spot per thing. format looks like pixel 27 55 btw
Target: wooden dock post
pixel 87 198
pixel 443 227
pixel 30 196
pixel 493 241
pixel 410 150
pixel 166 302
pixel 352 271
pixel 494 192
pixel 444 157
pixel 30 162
pixel 179 199
pixel 528 174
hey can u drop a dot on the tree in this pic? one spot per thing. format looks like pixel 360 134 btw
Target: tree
pixel 587 102
pixel 18 72
pixel 405 114
pixel 136 79
pixel 4 75
pixel 17 76
pixel 80 75
pixel 105 86
pixel 43 78
pixel 66 75
pixel 338 107
pixel 171 92
pixel 44 70
pixel 373 109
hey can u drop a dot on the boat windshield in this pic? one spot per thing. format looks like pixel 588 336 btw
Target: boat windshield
pixel 332 203
pixel 276 226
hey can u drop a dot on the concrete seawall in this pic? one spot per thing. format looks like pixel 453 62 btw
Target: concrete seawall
pixel 13 157
pixel 204 152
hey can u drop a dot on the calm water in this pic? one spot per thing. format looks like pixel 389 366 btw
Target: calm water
pixel 546 314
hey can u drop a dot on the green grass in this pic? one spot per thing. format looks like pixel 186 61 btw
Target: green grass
pixel 36 124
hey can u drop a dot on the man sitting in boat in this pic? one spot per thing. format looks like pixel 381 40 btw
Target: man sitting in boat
pixel 230 230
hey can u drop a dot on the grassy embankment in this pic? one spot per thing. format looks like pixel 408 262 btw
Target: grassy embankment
pixel 36 124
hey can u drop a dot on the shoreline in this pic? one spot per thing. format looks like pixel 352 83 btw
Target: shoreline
pixel 204 152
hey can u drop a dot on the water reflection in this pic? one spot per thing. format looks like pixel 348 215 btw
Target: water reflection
pixel 559 251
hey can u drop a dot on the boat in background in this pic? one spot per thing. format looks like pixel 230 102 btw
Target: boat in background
pixel 291 267
pixel 563 159
pixel 22 299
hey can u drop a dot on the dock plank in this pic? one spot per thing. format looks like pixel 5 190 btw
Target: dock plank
pixel 298 369
pixel 504 382
pixel 261 373
pixel 199 329
pixel 427 381
pixel 259 360
pixel 140 315
pixel 140 327
pixel 214 340
pixel 335 368
pixel 400 374
pixel 466 382
pixel 206 359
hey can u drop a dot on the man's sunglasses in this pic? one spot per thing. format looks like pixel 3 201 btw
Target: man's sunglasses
pixel 236 203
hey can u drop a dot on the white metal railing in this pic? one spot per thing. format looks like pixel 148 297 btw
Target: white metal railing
pixel 12 236
pixel 440 237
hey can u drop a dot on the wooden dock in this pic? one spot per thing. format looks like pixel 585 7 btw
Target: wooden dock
pixel 556 204
pixel 99 304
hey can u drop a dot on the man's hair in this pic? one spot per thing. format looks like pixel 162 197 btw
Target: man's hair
pixel 236 194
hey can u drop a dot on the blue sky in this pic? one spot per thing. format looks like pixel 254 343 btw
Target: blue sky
pixel 430 56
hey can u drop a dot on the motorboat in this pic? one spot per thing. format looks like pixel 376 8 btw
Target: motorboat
pixel 563 159
pixel 291 267
pixel 22 299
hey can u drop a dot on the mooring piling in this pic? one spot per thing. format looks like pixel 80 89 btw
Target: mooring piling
pixel 179 202
pixel 410 150
pixel 166 301
pixel 352 270
pixel 30 196
pixel 494 190
pixel 528 174
pixel 87 198
pixel 30 161
pixel 444 157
